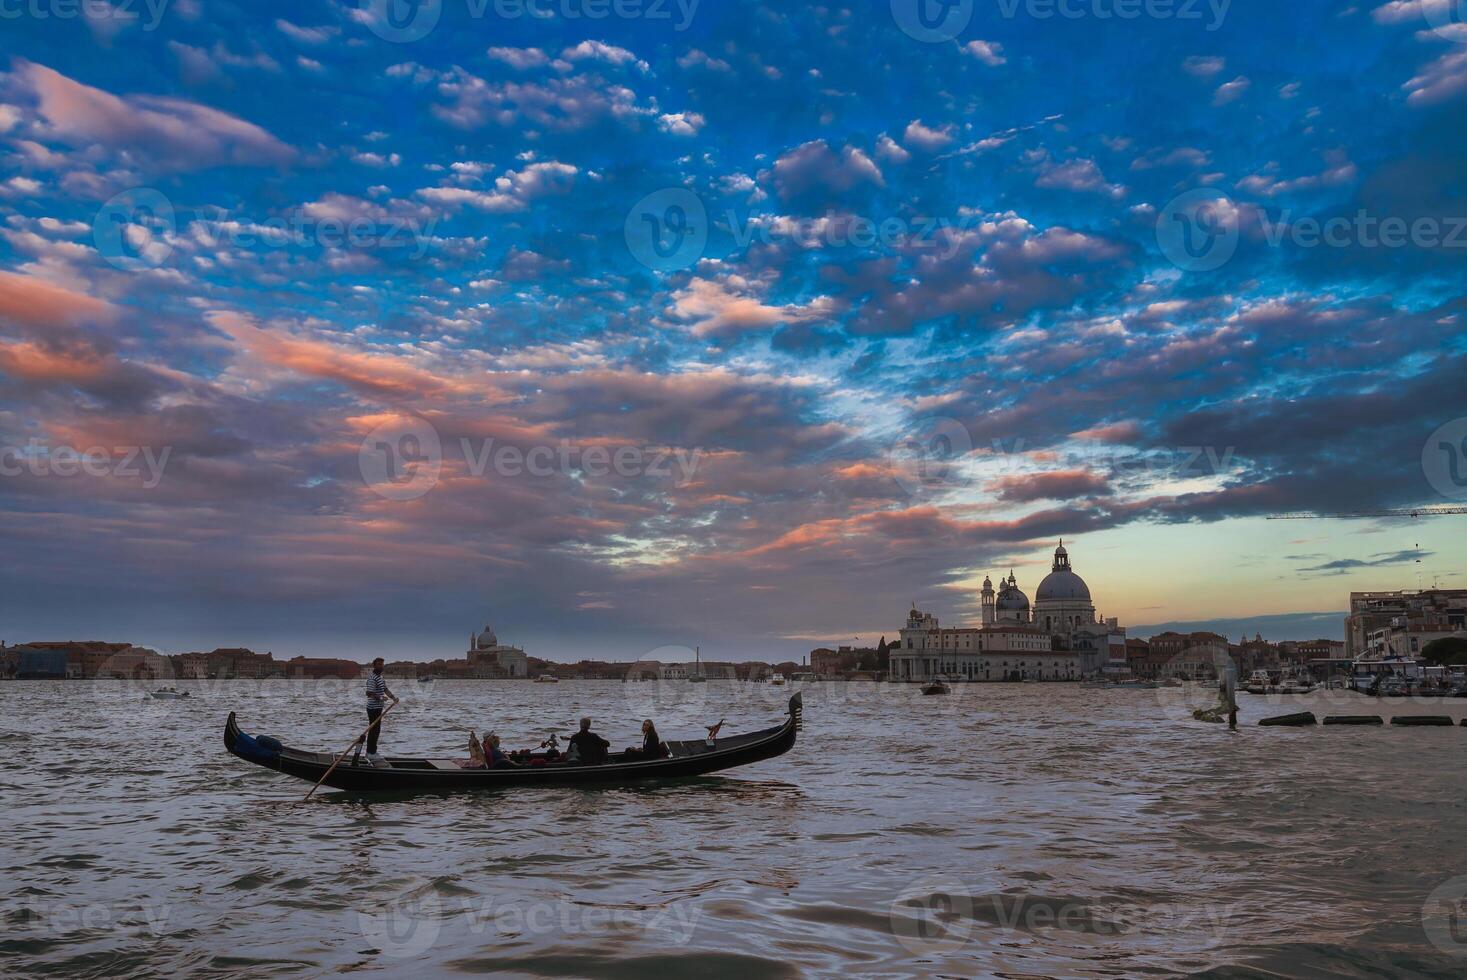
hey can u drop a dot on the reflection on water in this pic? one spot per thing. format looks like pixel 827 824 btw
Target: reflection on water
pixel 1008 829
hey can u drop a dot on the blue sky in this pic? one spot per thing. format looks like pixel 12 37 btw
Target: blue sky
pixel 868 309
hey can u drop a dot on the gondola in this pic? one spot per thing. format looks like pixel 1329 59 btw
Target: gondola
pixel 403 774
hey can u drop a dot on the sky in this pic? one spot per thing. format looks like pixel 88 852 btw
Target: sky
pixel 343 327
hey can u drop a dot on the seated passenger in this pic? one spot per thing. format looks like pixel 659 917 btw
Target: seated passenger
pixel 651 744
pixel 494 758
pixel 589 747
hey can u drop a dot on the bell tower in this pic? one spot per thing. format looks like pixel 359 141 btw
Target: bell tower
pixel 987 594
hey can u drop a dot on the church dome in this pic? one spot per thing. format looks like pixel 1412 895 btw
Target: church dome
pixel 1012 600
pixel 1063 585
pixel 487 638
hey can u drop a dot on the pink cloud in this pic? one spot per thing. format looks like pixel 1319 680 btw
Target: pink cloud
pixel 174 133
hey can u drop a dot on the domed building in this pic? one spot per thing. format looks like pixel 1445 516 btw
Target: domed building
pixel 488 658
pixel 1063 603
pixel 1058 638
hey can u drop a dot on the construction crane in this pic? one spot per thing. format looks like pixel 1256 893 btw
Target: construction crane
pixel 1359 514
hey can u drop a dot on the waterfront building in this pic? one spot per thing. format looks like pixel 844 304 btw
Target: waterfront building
pixel 1059 638
pixel 488 658
pixel 833 663
pixel 1403 622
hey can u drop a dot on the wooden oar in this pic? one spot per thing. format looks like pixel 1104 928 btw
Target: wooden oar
pixel 356 741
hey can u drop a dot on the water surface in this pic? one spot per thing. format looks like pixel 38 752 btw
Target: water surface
pixel 1034 830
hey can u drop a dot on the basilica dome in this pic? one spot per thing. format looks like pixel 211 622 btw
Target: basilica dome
pixel 1062 583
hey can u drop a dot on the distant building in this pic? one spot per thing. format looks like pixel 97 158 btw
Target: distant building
pixel 825 662
pixel 42 664
pixel 1060 639
pixel 488 658
pixel 1402 623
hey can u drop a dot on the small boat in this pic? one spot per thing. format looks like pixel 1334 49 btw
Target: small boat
pixel 398 774
pixel 1258 682
pixel 1297 685
pixel 777 680
pixel 169 694
pixel 425 680
pixel 547 679
pixel 697 675
pixel 936 686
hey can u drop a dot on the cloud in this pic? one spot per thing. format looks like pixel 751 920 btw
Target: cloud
pixel 814 170
pixel 1203 66
pixel 1079 175
pixel 926 138
pixel 1443 80
pixel 521 58
pixel 1230 91
pixel 988 52
pixel 512 192
pixel 728 306
pixel 558 104
pixel 681 123
pixel 1057 485
pixel 601 51
pixel 173 133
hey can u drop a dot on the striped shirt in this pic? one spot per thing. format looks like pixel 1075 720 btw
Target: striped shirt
pixel 376 688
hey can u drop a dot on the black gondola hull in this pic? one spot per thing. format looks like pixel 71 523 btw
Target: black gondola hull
pixel 404 774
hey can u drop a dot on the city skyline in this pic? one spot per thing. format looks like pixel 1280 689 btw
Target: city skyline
pixel 739 329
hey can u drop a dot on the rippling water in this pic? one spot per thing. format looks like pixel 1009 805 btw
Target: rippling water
pixel 1035 830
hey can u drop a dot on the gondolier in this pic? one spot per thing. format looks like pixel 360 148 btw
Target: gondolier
pixel 376 691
